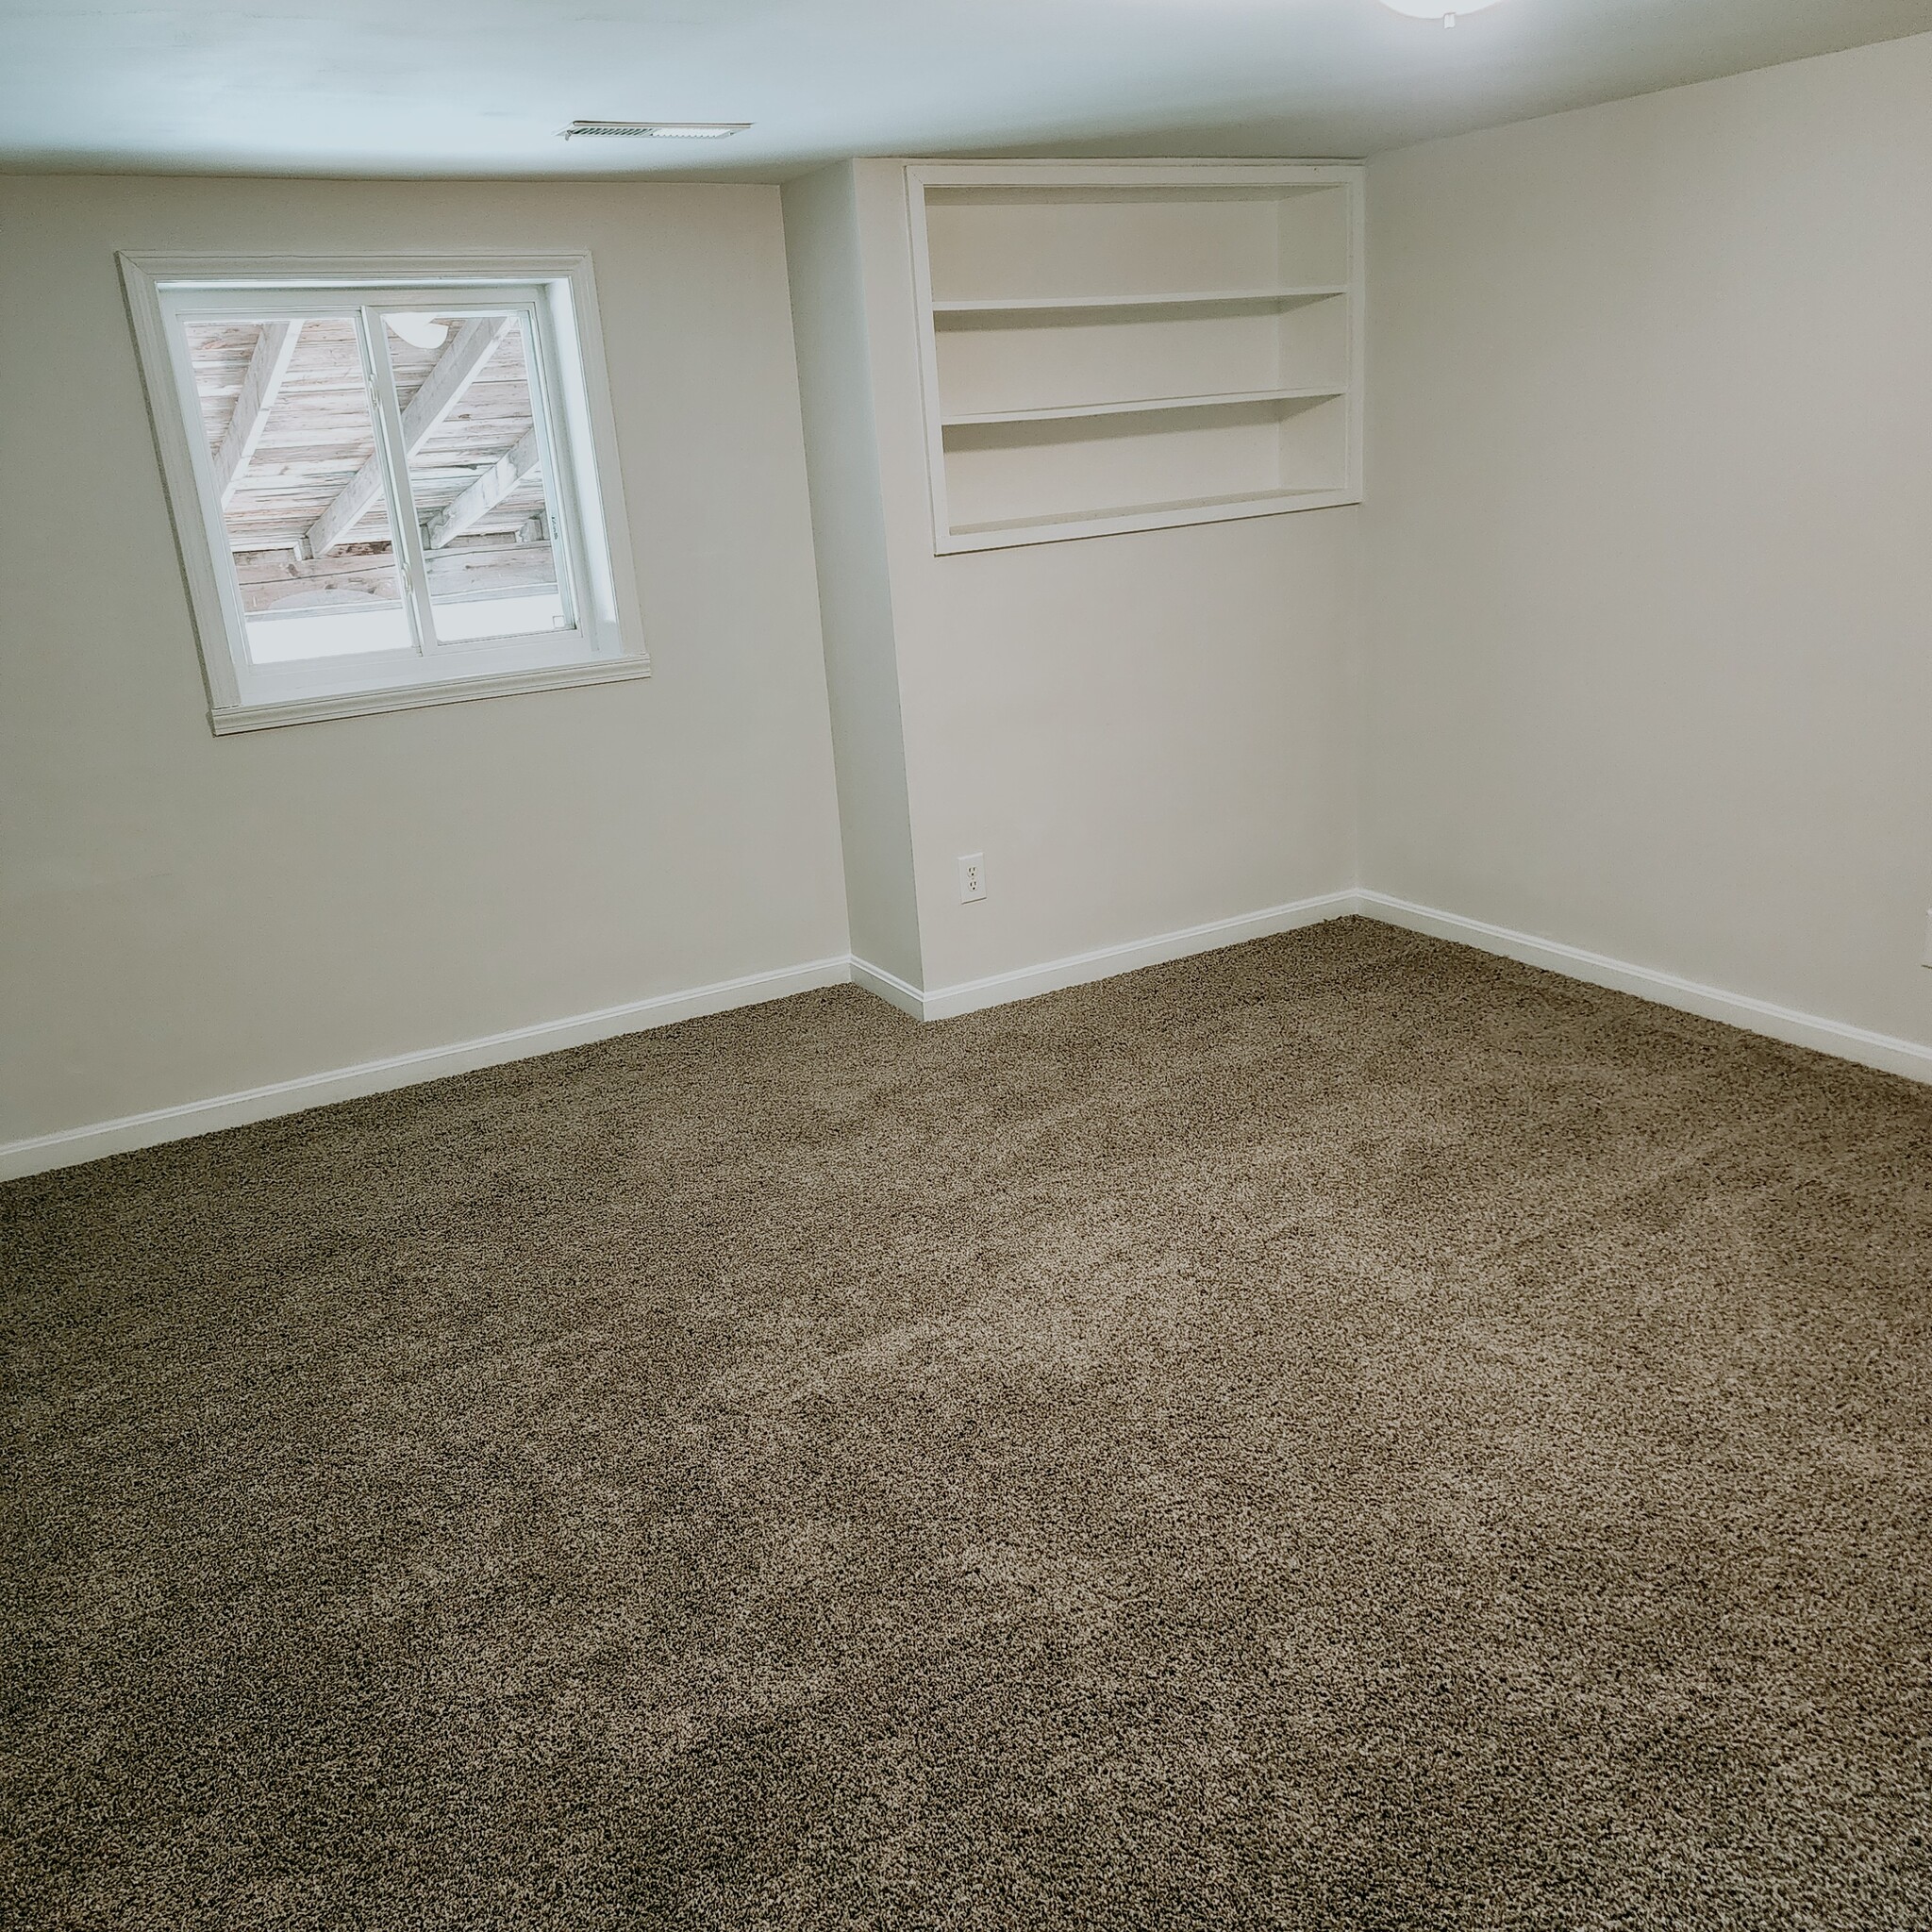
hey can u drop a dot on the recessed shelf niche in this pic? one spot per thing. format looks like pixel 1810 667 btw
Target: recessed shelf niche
pixel 1118 345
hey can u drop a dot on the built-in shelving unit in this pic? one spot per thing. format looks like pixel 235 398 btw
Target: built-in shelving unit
pixel 1117 346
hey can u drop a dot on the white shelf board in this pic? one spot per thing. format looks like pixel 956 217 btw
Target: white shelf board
pixel 1010 531
pixel 1067 413
pixel 1067 304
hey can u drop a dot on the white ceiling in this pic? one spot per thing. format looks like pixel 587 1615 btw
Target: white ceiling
pixel 482 87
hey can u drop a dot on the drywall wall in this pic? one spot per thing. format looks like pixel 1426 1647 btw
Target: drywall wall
pixel 185 917
pixel 1648 665
pixel 854 589
pixel 1142 733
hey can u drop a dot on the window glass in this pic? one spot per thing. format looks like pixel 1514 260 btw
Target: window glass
pixel 467 396
pixel 285 408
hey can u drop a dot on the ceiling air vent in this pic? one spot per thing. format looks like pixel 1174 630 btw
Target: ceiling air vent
pixel 660 130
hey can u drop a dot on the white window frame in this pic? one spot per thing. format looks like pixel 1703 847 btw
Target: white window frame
pixel 556 298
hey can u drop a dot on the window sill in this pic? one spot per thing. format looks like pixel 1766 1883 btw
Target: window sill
pixel 267 715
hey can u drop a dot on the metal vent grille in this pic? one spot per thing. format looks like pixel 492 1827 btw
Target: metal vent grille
pixel 659 130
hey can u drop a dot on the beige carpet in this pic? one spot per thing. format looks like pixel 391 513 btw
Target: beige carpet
pixel 1341 1432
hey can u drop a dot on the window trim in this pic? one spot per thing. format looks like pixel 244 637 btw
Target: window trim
pixel 569 355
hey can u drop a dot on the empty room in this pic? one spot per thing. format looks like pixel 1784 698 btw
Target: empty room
pixel 966 966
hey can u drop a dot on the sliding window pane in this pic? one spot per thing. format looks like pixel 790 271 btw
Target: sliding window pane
pixel 291 437
pixel 474 458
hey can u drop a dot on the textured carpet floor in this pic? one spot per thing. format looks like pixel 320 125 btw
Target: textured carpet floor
pixel 1345 1432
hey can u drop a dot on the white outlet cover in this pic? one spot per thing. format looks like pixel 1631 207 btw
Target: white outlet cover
pixel 972 877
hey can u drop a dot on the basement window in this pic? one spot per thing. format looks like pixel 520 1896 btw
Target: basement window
pixel 393 485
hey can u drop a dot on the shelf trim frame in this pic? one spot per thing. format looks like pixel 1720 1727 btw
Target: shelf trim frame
pixel 1157 516
pixel 1199 175
pixel 1075 413
pixel 1080 305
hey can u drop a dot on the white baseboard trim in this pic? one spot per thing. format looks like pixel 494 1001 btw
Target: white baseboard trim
pixel 46 1151
pixel 1027 982
pixel 77 1144
pixel 1834 1036
pixel 888 987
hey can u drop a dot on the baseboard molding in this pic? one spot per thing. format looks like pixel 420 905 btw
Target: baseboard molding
pixel 1079 969
pixel 77 1144
pixel 74 1145
pixel 1662 988
pixel 888 987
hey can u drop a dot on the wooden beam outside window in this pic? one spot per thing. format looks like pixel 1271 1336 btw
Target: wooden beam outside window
pixel 499 480
pixel 274 349
pixel 442 389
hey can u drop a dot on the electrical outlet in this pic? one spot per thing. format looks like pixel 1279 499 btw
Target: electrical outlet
pixel 972 877
pixel 1925 959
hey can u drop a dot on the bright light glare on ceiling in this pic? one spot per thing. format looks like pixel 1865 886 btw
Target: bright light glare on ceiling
pixel 1444 10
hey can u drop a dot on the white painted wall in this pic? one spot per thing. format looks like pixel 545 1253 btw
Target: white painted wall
pixel 1142 733
pixel 182 917
pixel 1649 661
pixel 830 327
